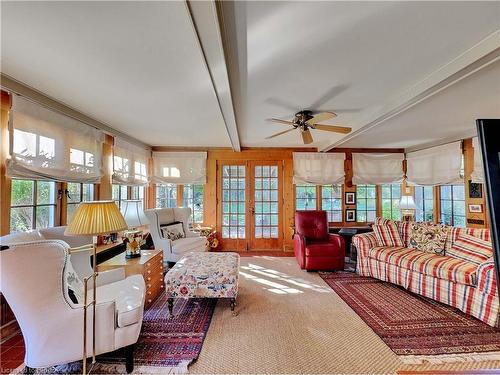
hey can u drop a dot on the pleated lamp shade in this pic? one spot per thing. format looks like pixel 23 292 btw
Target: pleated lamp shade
pixel 94 218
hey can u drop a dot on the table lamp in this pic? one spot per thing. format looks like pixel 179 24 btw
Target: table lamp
pixel 93 219
pixel 134 216
pixel 407 206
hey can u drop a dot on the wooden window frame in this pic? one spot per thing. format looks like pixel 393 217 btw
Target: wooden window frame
pixel 452 201
pixel 391 198
pixel 378 202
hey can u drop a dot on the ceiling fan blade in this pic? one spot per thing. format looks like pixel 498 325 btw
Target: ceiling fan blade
pixel 280 121
pixel 333 128
pixel 321 117
pixel 283 132
pixel 306 137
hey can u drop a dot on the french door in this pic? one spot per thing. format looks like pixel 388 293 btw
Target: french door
pixel 250 205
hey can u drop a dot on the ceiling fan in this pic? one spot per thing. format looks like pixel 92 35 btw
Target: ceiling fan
pixel 306 120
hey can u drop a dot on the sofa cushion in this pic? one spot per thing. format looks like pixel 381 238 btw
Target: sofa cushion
pixel 128 295
pixel 388 234
pixel 427 237
pixel 439 266
pixel 471 249
pixel 322 250
pixel 20 237
pixel 455 232
pixel 188 244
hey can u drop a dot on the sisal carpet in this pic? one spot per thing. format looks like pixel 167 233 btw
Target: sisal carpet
pixel 412 325
pixel 291 322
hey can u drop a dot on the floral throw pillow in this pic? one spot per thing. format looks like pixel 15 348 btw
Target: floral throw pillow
pixel 428 237
pixel 173 231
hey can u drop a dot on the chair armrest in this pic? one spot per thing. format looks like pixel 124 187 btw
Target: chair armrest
pixel 110 276
pixel 299 247
pixel 364 242
pixel 337 240
pixel 486 277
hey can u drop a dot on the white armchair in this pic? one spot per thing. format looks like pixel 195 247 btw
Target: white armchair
pixel 174 250
pixel 34 280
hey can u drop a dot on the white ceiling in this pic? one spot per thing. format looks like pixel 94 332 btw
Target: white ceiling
pixel 138 67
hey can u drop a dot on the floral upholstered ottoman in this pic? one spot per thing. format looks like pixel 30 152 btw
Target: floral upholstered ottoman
pixel 204 275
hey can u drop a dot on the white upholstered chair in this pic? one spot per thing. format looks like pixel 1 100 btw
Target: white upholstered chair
pixel 174 250
pixel 34 280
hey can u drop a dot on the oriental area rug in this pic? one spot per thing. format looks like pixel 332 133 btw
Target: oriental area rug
pixel 165 346
pixel 416 328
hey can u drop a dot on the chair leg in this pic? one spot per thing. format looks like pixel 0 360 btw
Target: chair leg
pixel 129 358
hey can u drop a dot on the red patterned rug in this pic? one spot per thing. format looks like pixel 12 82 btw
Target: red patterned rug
pixel 165 345
pixel 412 325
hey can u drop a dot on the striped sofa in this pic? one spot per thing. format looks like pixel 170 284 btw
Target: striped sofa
pixel 470 287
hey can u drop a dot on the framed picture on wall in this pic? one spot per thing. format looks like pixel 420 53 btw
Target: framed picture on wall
pixel 475 208
pixel 475 190
pixel 350 215
pixel 350 197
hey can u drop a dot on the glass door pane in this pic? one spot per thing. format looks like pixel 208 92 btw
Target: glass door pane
pixel 266 201
pixel 233 201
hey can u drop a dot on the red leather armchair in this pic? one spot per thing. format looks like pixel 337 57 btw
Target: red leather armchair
pixel 315 248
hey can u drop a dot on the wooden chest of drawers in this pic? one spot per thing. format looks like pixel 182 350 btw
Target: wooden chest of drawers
pixel 149 265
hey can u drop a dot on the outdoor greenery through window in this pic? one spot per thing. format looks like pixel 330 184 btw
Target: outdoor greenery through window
pixel 138 193
pixel 166 196
pixel 424 200
pixel 391 195
pixel 193 197
pixel 77 193
pixel 331 202
pixel 366 203
pixel 305 197
pixel 452 202
pixel 33 205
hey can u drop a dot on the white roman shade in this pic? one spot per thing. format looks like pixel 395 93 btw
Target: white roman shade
pixel 376 169
pixel 180 167
pixel 435 166
pixel 318 168
pixel 45 144
pixel 477 175
pixel 130 164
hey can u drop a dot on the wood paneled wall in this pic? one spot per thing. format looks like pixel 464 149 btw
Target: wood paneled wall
pixel 468 152
pixel 5 183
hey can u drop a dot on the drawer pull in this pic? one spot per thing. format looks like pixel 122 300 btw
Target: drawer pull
pixel 148 264
pixel 149 271
pixel 149 301
pixel 149 292
pixel 149 279
pixel 149 286
pixel 161 286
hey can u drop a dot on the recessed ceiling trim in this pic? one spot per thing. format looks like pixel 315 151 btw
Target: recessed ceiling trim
pixel 208 35
pixel 12 85
pixel 476 58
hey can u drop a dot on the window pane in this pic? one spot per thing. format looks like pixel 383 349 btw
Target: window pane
pixel 74 192
pixel 45 216
pixel 70 211
pixel 88 192
pixel 21 219
pixel 22 192
pixel 233 200
pixel 46 192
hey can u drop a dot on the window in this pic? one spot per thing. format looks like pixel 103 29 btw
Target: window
pixel 138 193
pixel 366 203
pixel 452 203
pixel 166 196
pixel 424 200
pixel 233 201
pixel 33 205
pixel 391 195
pixel 305 197
pixel 331 202
pixel 119 194
pixel 193 198
pixel 81 161
pixel 77 193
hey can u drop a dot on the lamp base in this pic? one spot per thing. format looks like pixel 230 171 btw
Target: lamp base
pixel 132 255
